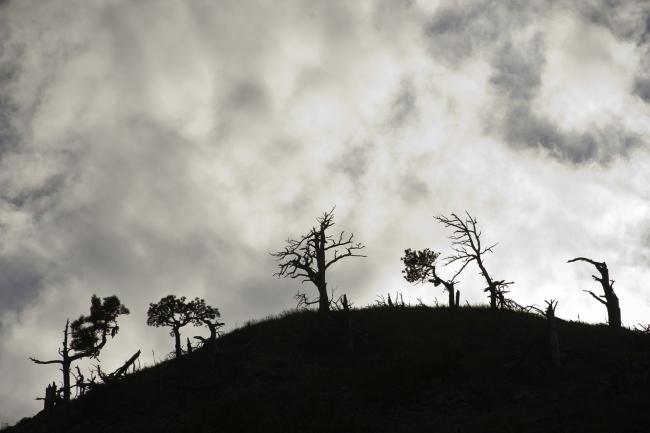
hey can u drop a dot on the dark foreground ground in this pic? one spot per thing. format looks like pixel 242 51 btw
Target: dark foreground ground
pixel 412 370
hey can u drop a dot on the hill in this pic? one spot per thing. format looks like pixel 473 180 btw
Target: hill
pixel 412 369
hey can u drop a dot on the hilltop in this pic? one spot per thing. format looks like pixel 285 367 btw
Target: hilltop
pixel 412 369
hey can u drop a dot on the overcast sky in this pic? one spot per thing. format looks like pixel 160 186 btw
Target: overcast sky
pixel 158 147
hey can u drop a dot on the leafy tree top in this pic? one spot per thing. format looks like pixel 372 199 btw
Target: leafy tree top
pixel 89 333
pixel 420 266
pixel 178 312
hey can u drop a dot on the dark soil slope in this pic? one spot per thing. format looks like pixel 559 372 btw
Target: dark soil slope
pixel 412 370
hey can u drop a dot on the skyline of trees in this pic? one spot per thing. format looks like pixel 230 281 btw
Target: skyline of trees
pixel 308 257
pixel 86 336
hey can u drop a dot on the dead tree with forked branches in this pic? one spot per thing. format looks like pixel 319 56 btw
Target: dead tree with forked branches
pixel 466 243
pixel 609 298
pixel 309 257
pixel 420 267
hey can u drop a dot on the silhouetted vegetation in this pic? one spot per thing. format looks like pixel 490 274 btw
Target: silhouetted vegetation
pixel 609 298
pixel 420 267
pixel 412 370
pixel 554 341
pixel 177 312
pixel 213 325
pixel 467 246
pixel 121 371
pixel 86 336
pixel 309 257
pixel 399 368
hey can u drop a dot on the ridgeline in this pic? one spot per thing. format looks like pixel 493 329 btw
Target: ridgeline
pixel 405 369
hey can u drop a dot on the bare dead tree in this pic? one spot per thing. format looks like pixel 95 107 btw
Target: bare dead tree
pixel 52 397
pixel 121 371
pixel 420 267
pixel 554 341
pixel 346 306
pixel 388 302
pixel 467 246
pixel 309 257
pixel 609 298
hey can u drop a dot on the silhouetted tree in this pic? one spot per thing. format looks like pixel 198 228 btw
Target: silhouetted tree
pixel 213 325
pixel 51 397
pixel 466 242
pixel 312 254
pixel 86 336
pixel 176 313
pixel 420 267
pixel 554 341
pixel 609 299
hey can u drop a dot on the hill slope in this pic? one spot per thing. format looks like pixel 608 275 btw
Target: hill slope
pixel 413 369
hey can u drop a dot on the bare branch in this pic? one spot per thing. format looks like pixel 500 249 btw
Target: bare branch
pixel 584 259
pixel 595 297
pixel 54 361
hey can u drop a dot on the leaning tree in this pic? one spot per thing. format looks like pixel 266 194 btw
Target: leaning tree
pixel 86 336
pixel 467 246
pixel 420 267
pixel 609 298
pixel 309 257
pixel 177 313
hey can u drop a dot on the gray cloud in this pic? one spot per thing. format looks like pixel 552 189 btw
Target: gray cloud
pixel 156 148
pixel 516 81
pixel 490 29
pixel 405 105
pixel 457 32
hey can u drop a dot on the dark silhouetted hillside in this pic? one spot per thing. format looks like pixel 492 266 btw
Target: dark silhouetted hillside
pixel 414 369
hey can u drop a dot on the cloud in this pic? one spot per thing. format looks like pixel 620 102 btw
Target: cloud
pixel 513 35
pixel 157 148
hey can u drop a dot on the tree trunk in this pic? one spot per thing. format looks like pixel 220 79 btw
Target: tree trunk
pixel 491 286
pixel 348 323
pixel 323 300
pixel 66 363
pixel 450 291
pixel 321 282
pixel 613 310
pixel 213 331
pixel 493 297
pixel 177 346
pixel 554 341
pixel 65 368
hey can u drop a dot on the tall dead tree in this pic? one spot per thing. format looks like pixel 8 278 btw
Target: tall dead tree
pixel 420 267
pixel 609 298
pixel 309 257
pixel 466 243
pixel 86 336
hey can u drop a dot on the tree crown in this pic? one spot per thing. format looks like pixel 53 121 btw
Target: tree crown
pixel 306 257
pixel 420 266
pixel 89 332
pixel 178 312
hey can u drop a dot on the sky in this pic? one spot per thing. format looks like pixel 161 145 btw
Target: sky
pixel 166 147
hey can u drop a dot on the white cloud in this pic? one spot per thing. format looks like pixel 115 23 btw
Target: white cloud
pixel 161 148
